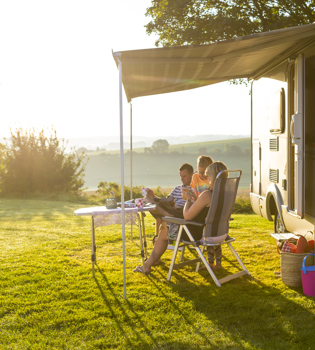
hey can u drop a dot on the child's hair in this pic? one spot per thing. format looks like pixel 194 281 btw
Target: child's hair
pixel 204 161
pixel 214 169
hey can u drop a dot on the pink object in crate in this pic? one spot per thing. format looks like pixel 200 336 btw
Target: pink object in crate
pixel 308 278
pixel 139 202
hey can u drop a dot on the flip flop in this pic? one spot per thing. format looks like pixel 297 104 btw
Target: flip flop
pixel 204 268
pixel 140 269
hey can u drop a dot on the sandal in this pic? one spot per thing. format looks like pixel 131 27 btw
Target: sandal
pixel 217 267
pixel 140 269
pixel 204 268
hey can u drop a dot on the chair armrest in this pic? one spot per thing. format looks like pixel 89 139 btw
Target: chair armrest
pixel 181 221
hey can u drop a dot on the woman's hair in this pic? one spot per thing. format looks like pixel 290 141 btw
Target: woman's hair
pixel 214 169
pixel 204 161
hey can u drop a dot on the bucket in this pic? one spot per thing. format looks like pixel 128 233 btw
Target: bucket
pixel 308 278
pixel 290 265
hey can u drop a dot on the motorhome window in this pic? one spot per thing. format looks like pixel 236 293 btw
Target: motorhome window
pixel 276 107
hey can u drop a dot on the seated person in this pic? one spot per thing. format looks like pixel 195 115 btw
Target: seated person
pixel 172 205
pixel 199 182
pixel 196 211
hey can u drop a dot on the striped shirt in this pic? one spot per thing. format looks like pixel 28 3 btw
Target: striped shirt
pixel 177 195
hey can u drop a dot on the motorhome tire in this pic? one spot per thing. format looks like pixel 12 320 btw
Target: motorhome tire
pixel 278 226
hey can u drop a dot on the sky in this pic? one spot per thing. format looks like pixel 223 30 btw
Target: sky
pixel 57 69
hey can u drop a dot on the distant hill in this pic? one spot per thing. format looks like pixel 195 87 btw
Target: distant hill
pixel 152 170
pixel 110 143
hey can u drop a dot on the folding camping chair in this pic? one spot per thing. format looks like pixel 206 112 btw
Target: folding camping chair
pixel 216 224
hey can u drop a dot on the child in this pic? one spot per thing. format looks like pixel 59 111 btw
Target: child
pixel 199 182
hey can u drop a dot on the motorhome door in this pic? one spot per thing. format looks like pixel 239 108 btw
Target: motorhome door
pixel 297 136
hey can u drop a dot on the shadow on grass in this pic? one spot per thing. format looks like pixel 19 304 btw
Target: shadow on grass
pixel 122 309
pixel 250 312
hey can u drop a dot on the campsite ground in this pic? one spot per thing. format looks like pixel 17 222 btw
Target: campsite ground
pixel 49 299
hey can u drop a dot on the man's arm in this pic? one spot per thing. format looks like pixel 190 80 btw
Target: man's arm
pixel 155 199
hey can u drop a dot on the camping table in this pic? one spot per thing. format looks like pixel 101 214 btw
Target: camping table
pixel 101 216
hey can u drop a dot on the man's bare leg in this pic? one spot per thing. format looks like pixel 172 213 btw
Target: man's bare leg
pixel 158 222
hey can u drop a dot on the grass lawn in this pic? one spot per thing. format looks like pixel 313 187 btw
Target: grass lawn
pixel 49 299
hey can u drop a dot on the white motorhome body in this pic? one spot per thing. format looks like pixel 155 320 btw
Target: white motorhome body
pixel 283 143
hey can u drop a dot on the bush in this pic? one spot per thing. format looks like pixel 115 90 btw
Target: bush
pixel 242 205
pixel 104 189
pixel 34 163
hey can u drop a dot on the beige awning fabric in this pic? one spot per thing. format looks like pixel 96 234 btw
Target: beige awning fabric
pixel 169 69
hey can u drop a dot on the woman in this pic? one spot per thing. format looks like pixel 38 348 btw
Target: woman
pixel 194 211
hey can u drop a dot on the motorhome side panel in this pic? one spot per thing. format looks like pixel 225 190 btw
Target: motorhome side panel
pixel 275 188
pixel 269 130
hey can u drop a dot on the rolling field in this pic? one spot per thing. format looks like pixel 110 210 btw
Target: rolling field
pixel 152 170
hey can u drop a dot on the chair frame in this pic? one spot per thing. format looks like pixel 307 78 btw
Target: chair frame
pixel 193 245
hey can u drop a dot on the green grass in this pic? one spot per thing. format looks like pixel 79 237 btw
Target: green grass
pixel 49 299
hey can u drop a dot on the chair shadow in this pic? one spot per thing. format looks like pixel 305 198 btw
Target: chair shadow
pixel 219 309
pixel 222 299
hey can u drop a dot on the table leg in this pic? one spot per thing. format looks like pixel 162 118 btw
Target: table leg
pixel 93 256
pixel 141 242
pixel 144 238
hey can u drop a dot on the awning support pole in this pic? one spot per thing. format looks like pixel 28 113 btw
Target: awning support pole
pixel 122 175
pixel 131 159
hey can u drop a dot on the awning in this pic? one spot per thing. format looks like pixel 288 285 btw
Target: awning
pixel 169 69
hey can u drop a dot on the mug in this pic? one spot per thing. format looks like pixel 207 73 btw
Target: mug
pixel 139 202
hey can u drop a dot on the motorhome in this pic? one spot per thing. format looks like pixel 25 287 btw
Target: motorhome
pixel 283 142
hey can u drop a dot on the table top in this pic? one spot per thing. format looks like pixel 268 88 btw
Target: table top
pixel 103 210
pixel 283 236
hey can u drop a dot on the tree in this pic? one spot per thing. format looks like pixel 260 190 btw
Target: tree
pixel 2 153
pixel 232 150
pixel 160 146
pixel 217 151
pixel 36 163
pixel 186 22
pixel 202 150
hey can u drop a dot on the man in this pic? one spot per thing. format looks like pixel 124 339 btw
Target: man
pixel 163 207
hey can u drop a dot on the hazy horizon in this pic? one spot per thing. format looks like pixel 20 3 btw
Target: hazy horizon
pixel 113 142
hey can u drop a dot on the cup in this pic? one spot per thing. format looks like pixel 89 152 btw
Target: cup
pixel 144 191
pixel 187 190
pixel 139 202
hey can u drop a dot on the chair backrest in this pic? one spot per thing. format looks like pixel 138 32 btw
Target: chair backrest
pixel 222 203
